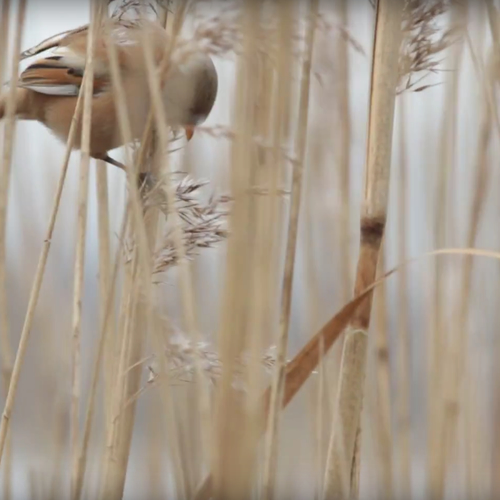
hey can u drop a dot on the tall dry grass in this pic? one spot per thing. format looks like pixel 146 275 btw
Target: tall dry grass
pixel 214 339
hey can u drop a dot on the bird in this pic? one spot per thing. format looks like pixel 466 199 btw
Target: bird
pixel 47 90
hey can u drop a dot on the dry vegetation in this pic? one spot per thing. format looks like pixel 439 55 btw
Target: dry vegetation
pixel 229 337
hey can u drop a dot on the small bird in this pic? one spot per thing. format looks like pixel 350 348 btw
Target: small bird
pixel 48 88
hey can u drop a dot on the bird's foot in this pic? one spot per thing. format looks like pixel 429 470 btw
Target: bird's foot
pixel 146 182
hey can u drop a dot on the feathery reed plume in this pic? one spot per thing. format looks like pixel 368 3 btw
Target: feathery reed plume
pixel 181 354
pixel 203 225
pixel 424 40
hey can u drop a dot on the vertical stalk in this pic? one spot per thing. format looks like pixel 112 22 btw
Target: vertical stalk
pixel 344 144
pixel 79 266
pixel 138 307
pixel 383 390
pixel 404 353
pixel 6 353
pixel 287 286
pixel 385 75
pixel 103 228
pixel 37 282
pixel 232 426
pixel 108 299
pixel 445 227
pixel 456 365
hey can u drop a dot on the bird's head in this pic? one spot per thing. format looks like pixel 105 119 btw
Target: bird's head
pixel 190 92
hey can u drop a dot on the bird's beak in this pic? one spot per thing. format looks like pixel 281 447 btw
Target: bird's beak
pixel 189 131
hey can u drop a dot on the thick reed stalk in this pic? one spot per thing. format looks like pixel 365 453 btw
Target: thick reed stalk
pixel 321 405
pixel 265 234
pixel 456 365
pixel 119 432
pixel 493 17
pixel 6 161
pixel 6 352
pixel 37 283
pixel 344 146
pixel 155 455
pixel 404 354
pixel 383 392
pixel 55 484
pixel 287 287
pixel 349 404
pixel 79 267
pixel 385 77
pixel 108 298
pixel 234 445
pixel 267 99
pixel 444 222
pixel 340 230
pixel 103 228
pixel 5 345
pixel 116 453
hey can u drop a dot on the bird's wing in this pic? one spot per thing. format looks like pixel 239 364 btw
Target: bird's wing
pixel 57 75
pixel 60 72
pixel 51 42
pixel 119 31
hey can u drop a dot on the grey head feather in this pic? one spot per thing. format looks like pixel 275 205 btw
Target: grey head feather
pixel 205 93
